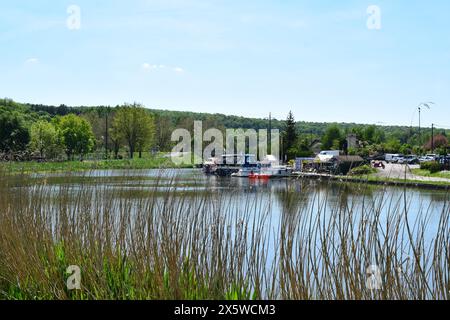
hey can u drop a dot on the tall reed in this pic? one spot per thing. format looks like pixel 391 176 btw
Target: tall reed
pixel 174 241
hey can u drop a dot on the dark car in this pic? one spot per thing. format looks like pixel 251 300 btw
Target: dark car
pixel 411 160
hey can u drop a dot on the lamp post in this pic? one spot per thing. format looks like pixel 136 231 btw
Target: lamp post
pixel 420 107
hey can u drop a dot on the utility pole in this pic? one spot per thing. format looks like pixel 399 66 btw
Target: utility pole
pixel 269 151
pixel 432 138
pixel 420 133
pixel 106 133
pixel 419 107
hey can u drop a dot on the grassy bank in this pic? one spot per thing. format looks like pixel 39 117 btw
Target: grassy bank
pixel 427 173
pixel 156 162
pixel 202 245
pixel 373 179
pixel 400 182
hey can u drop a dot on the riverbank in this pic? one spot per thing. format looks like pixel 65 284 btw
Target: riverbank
pixel 427 173
pixel 393 174
pixel 372 179
pixel 157 162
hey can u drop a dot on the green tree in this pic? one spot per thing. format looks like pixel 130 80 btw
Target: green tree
pixel 45 139
pixel 14 134
pixel 146 133
pixel 135 126
pixel 77 135
pixel 115 138
pixel 406 149
pixel 332 138
pixel 290 137
pixel 393 146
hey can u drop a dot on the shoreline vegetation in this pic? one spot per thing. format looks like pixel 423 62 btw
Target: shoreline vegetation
pixel 163 244
pixel 148 162
pixel 371 179
pixel 36 137
pixel 164 162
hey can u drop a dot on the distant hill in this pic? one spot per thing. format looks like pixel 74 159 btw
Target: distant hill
pixel 166 121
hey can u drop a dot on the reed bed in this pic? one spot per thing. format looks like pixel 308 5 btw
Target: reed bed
pixel 169 242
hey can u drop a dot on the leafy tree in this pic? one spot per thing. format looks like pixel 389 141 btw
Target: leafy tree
pixel 406 149
pixel 116 141
pixel 45 139
pixel 393 146
pixel 332 138
pixel 163 132
pixel 145 133
pixel 14 134
pixel 135 126
pixel 77 135
pixel 439 141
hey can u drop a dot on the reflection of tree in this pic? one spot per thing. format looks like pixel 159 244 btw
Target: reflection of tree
pixel 345 194
pixel 440 197
pixel 293 196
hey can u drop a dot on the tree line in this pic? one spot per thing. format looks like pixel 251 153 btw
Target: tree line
pixel 29 134
pixel 371 140
pixel 56 132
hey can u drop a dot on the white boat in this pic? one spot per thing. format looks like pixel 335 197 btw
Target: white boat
pixel 276 171
pixel 229 164
pixel 271 167
pixel 268 168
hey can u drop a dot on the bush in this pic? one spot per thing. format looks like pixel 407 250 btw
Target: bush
pixel 362 170
pixel 432 166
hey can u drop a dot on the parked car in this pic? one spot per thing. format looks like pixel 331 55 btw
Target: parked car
pixel 443 159
pixel 391 157
pixel 399 159
pixel 426 159
pixel 411 159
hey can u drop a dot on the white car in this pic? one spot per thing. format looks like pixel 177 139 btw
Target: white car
pixel 426 159
pixel 399 160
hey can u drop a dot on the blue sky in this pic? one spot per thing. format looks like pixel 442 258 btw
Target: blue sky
pixel 250 57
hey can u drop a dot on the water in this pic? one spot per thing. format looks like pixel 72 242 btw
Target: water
pixel 279 198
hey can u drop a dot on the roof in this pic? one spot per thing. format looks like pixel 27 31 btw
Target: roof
pixel 349 159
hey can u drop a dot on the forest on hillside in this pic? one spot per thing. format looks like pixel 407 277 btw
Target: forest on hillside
pixel 18 124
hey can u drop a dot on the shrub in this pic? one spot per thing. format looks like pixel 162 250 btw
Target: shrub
pixel 432 166
pixel 362 170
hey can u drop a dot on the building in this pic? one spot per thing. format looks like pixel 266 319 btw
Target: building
pixel 352 141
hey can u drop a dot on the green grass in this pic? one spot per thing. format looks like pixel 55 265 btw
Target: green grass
pixel 427 173
pixel 372 178
pixel 381 180
pixel 156 162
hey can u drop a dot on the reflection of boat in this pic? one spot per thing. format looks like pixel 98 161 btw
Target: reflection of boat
pixel 210 165
pixel 259 176
pixel 246 172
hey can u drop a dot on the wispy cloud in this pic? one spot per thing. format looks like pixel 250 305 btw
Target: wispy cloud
pixel 155 67
pixel 178 70
pixel 273 20
pixel 32 61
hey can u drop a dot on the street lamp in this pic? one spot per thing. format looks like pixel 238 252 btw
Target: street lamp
pixel 420 107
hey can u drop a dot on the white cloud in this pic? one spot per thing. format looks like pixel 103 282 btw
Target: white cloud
pixel 147 66
pixel 178 70
pixel 32 61
pixel 154 67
